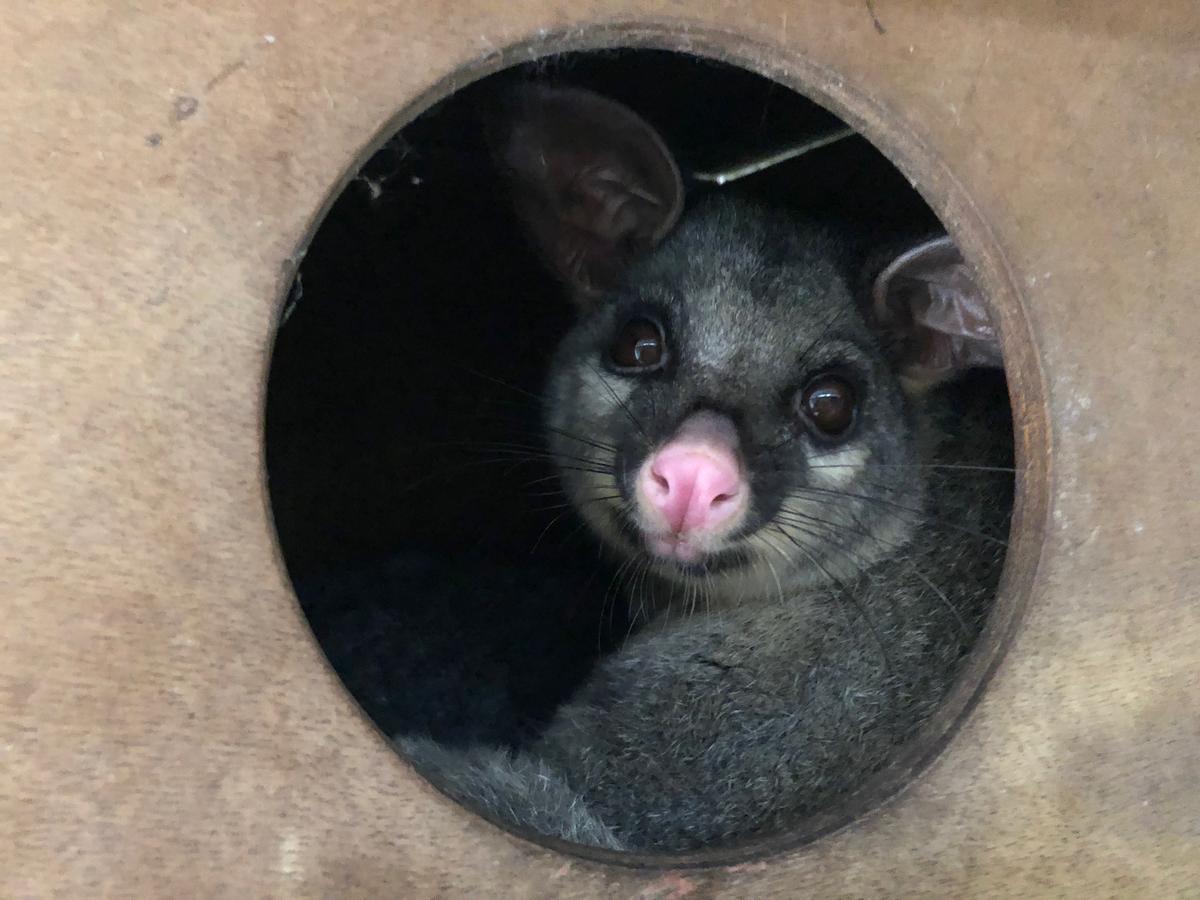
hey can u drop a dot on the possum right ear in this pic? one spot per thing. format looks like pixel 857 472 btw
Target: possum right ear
pixel 932 309
pixel 594 184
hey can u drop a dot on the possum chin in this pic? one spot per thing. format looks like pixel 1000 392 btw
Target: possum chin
pixel 681 550
pixel 684 558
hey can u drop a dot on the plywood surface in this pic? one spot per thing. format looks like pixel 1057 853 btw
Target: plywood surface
pixel 167 726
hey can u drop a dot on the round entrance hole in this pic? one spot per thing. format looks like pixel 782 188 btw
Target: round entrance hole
pixel 576 282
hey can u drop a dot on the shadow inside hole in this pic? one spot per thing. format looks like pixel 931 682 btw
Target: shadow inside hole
pixel 440 569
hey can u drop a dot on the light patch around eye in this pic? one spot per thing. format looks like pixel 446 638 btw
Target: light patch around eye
pixel 838 467
pixel 600 392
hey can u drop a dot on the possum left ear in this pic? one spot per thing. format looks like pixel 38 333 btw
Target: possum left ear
pixel 931 308
pixel 593 183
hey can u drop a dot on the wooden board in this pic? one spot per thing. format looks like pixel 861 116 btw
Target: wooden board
pixel 168 726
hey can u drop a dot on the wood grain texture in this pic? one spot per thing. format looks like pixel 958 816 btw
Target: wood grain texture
pixel 167 725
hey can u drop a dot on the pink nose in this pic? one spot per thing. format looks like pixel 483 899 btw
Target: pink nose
pixel 695 482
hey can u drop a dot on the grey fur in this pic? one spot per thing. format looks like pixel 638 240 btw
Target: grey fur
pixel 523 791
pixel 760 694
pixel 758 709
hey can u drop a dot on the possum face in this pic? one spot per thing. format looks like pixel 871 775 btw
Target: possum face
pixel 723 410
pixel 725 413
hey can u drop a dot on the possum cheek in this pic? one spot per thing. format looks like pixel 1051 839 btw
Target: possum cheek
pixel 841 467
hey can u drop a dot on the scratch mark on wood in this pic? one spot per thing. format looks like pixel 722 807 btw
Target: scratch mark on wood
pixel 874 18
pixel 970 95
pixel 235 66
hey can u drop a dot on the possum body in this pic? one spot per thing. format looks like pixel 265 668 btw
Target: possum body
pixel 808 497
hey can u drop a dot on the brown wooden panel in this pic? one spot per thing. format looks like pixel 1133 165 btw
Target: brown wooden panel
pixel 168 725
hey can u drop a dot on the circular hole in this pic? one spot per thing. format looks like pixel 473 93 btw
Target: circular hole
pixel 452 470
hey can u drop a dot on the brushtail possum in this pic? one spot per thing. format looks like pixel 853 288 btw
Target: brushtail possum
pixel 775 440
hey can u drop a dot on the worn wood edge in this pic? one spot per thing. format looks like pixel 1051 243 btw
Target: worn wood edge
pixel 934 179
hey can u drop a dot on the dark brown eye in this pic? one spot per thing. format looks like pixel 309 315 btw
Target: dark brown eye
pixel 829 403
pixel 638 346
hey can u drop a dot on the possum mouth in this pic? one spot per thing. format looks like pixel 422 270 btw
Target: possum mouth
pixel 703 563
pixel 726 559
pixel 713 564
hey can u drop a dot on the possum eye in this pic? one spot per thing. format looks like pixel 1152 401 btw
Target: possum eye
pixel 829 403
pixel 639 346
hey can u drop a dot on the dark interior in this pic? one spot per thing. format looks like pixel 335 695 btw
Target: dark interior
pixel 439 569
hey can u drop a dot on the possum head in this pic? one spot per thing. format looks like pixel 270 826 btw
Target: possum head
pixel 725 410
